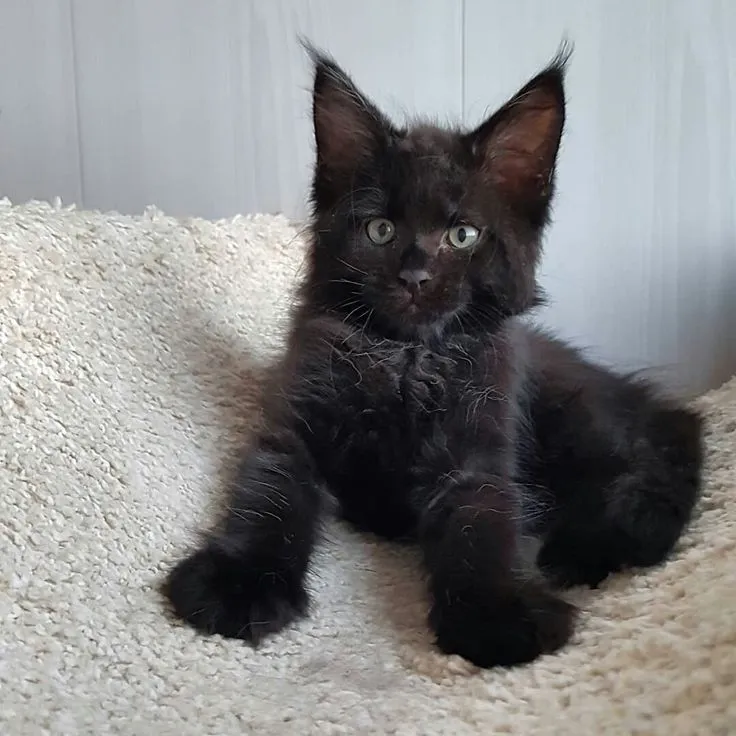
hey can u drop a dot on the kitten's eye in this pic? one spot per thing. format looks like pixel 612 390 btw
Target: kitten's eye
pixel 462 236
pixel 380 230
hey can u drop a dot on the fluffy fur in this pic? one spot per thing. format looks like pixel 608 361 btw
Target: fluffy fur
pixel 412 394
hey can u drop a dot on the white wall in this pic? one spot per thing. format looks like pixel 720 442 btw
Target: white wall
pixel 641 260
pixel 202 108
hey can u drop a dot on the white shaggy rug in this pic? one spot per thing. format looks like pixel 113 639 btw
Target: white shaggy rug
pixel 130 351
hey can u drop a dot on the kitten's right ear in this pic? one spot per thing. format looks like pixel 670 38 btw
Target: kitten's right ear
pixel 348 128
pixel 517 146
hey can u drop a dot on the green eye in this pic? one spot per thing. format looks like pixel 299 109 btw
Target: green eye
pixel 462 236
pixel 380 230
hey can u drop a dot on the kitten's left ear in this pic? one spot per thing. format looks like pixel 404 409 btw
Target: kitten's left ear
pixel 349 129
pixel 516 148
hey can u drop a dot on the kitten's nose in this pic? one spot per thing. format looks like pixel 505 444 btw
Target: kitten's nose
pixel 414 277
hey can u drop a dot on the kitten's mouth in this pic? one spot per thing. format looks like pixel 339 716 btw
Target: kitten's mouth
pixel 415 305
pixel 410 315
pixel 410 301
pixel 414 300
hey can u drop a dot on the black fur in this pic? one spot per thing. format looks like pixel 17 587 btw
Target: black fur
pixel 412 394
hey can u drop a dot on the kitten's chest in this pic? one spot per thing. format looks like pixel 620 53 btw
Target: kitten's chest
pixel 400 384
pixel 384 400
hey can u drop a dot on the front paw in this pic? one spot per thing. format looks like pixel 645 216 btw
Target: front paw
pixel 217 593
pixel 489 631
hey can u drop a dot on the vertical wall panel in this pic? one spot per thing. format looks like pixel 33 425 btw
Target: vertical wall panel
pixel 155 100
pixel 390 48
pixel 641 259
pixel 39 155
pixel 202 108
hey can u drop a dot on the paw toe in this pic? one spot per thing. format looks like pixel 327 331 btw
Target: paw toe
pixel 219 594
pixel 509 632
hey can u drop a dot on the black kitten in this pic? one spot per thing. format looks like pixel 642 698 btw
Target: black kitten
pixel 412 394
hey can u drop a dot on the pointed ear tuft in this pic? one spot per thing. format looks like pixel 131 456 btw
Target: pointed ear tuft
pixel 517 146
pixel 348 128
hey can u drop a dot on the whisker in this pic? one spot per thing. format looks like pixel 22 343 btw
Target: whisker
pixel 349 265
pixel 344 281
pixel 360 306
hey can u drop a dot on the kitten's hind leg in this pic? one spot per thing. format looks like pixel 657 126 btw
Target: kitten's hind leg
pixel 247 580
pixel 625 471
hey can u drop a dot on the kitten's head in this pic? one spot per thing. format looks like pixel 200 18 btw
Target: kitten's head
pixel 424 228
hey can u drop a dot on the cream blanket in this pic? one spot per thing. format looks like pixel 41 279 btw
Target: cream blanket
pixel 130 356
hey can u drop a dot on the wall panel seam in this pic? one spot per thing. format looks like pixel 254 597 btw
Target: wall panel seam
pixel 463 58
pixel 77 110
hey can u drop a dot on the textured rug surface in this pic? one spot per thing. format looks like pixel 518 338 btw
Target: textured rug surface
pixel 131 350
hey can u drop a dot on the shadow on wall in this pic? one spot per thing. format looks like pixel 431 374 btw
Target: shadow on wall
pixel 669 319
pixel 706 322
